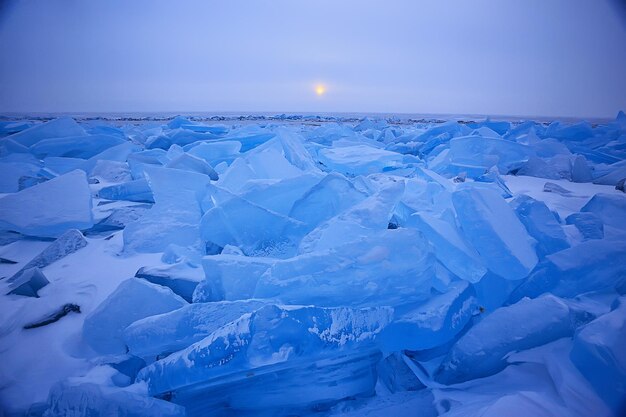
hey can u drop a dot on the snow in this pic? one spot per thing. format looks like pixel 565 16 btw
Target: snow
pixel 312 266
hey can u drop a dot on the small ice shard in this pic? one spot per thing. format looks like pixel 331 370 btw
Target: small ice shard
pixel 54 316
pixel 119 218
pixel 68 243
pixel 137 190
pixel 580 170
pixel 450 248
pixel 230 277
pixel 598 353
pixel 483 349
pixel 358 159
pixel 50 208
pixel 433 323
pixel 610 208
pixel 537 167
pixel 180 278
pixel 588 224
pixel 57 128
pixel 490 225
pixel 170 332
pixel 28 282
pixel 550 187
pixel 90 399
pixel 541 224
pixel 133 299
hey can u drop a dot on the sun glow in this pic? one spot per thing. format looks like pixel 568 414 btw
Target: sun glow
pixel 320 89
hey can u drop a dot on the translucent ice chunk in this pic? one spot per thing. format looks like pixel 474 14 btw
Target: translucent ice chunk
pixel 137 190
pixel 50 208
pixel 449 246
pixel 610 208
pixel 482 350
pixel 390 267
pixel 358 159
pixel 75 146
pixel 134 299
pixel 57 128
pixel 192 163
pixel 230 277
pixel 272 335
pixel 278 195
pixel 541 224
pixel 173 331
pixel 28 282
pixel 491 226
pixel 332 195
pixel 432 323
pixel 598 353
pixel 175 217
pixel 588 224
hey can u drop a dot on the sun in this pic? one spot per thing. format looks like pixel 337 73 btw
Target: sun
pixel 320 89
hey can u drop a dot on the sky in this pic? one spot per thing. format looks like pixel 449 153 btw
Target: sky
pixel 553 58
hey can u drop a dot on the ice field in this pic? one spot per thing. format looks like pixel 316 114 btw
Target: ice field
pixel 309 266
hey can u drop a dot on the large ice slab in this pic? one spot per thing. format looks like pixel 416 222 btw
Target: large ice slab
pixel 173 331
pixel 610 208
pixel 50 208
pixel 492 227
pixel 134 299
pixel 273 335
pixel 57 128
pixel 71 399
pixel 358 159
pixel 75 146
pixel 433 323
pixel 256 230
pixel 598 353
pixel 230 277
pixel 386 268
pixel 175 217
pixel 530 322
pixel 449 247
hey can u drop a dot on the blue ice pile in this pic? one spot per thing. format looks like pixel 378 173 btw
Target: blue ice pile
pixel 336 267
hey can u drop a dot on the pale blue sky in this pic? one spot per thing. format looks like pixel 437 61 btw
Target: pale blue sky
pixel 516 57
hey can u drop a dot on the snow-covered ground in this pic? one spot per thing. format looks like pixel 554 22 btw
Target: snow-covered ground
pixel 280 267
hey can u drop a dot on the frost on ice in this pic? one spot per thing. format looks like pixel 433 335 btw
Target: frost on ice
pixel 322 265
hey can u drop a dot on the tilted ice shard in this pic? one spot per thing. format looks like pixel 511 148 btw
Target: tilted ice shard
pixel 482 350
pixel 57 128
pixel 134 299
pixel 386 268
pixel 230 277
pixel 598 353
pixel 449 247
pixel 173 331
pixel 491 226
pixel 610 208
pixel 181 278
pixel 270 336
pixel 329 197
pixel 175 217
pixel 432 323
pixel 50 208
pixel 358 159
pixel 541 224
